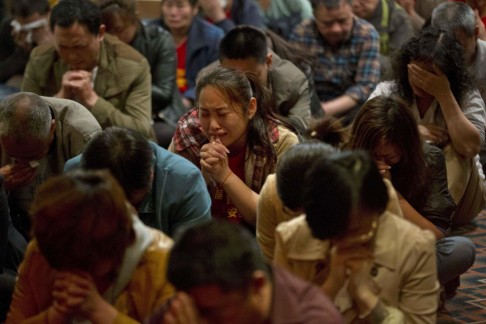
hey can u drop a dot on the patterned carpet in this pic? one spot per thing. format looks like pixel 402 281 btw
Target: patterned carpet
pixel 469 304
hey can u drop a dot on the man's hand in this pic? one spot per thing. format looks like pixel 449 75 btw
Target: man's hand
pixel 18 175
pixel 408 5
pixel 76 85
pixel 213 10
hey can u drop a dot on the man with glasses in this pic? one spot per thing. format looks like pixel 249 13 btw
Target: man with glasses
pixel 347 53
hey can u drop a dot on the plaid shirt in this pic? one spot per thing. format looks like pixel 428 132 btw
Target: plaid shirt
pixel 352 69
pixel 188 138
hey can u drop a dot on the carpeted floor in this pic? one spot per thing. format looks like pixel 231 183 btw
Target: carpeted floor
pixel 469 304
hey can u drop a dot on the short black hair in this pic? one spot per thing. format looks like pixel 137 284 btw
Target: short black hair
pixel 244 42
pixel 338 184
pixel 68 12
pixel 214 252
pixel 26 8
pixel 125 152
pixel 291 167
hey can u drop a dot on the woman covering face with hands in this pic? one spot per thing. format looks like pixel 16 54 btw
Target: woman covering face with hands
pixel 431 76
pixel 235 137
pixel 91 259
pixel 374 265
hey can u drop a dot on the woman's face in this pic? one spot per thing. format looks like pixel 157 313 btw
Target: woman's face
pixel 178 14
pixel 387 153
pixel 417 90
pixel 120 25
pixel 223 119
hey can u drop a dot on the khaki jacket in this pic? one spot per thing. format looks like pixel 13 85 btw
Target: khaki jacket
pixel 122 82
pixel 404 261
pixel 147 290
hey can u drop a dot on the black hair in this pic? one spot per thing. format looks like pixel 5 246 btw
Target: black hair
pixel 244 42
pixel 125 152
pixel 337 185
pixel 68 12
pixel 214 252
pixel 26 8
pixel 291 167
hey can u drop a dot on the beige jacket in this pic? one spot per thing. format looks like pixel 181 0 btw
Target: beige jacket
pixel 404 257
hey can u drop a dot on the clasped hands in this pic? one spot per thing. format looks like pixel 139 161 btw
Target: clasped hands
pixel 75 296
pixel 214 160
pixel 353 264
pixel 77 85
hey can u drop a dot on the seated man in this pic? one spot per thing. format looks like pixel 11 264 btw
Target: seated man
pixel 222 278
pixel 27 28
pixel 227 14
pixel 347 52
pixel 167 190
pixel 245 48
pixel 108 77
pixel 460 19
pixel 392 23
pixel 38 135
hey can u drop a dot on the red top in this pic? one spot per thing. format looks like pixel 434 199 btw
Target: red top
pixel 222 206
pixel 181 66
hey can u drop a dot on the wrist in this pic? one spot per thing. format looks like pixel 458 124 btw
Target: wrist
pixel 226 178
pixel 91 101
pixel 104 313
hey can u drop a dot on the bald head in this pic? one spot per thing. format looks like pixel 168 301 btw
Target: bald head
pixel 25 116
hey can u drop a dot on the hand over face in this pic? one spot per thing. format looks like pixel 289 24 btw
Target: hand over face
pixel 75 294
pixel 435 83
pixel 182 310
pixel 344 260
pixel 384 169
pixel 18 175
pixel 213 9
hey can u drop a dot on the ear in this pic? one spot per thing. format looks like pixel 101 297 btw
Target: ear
pixel 258 281
pixel 252 108
pixel 101 32
pixel 269 60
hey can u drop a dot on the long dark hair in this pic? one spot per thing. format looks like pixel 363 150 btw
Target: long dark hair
pixel 440 48
pixel 388 120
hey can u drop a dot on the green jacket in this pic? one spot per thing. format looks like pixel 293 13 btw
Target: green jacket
pixel 122 83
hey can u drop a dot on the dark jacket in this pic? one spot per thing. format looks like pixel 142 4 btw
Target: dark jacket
pixel 438 206
pixel 202 50
pixel 156 44
pixel 13 59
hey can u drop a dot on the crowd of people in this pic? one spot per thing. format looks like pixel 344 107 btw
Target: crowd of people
pixel 239 161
